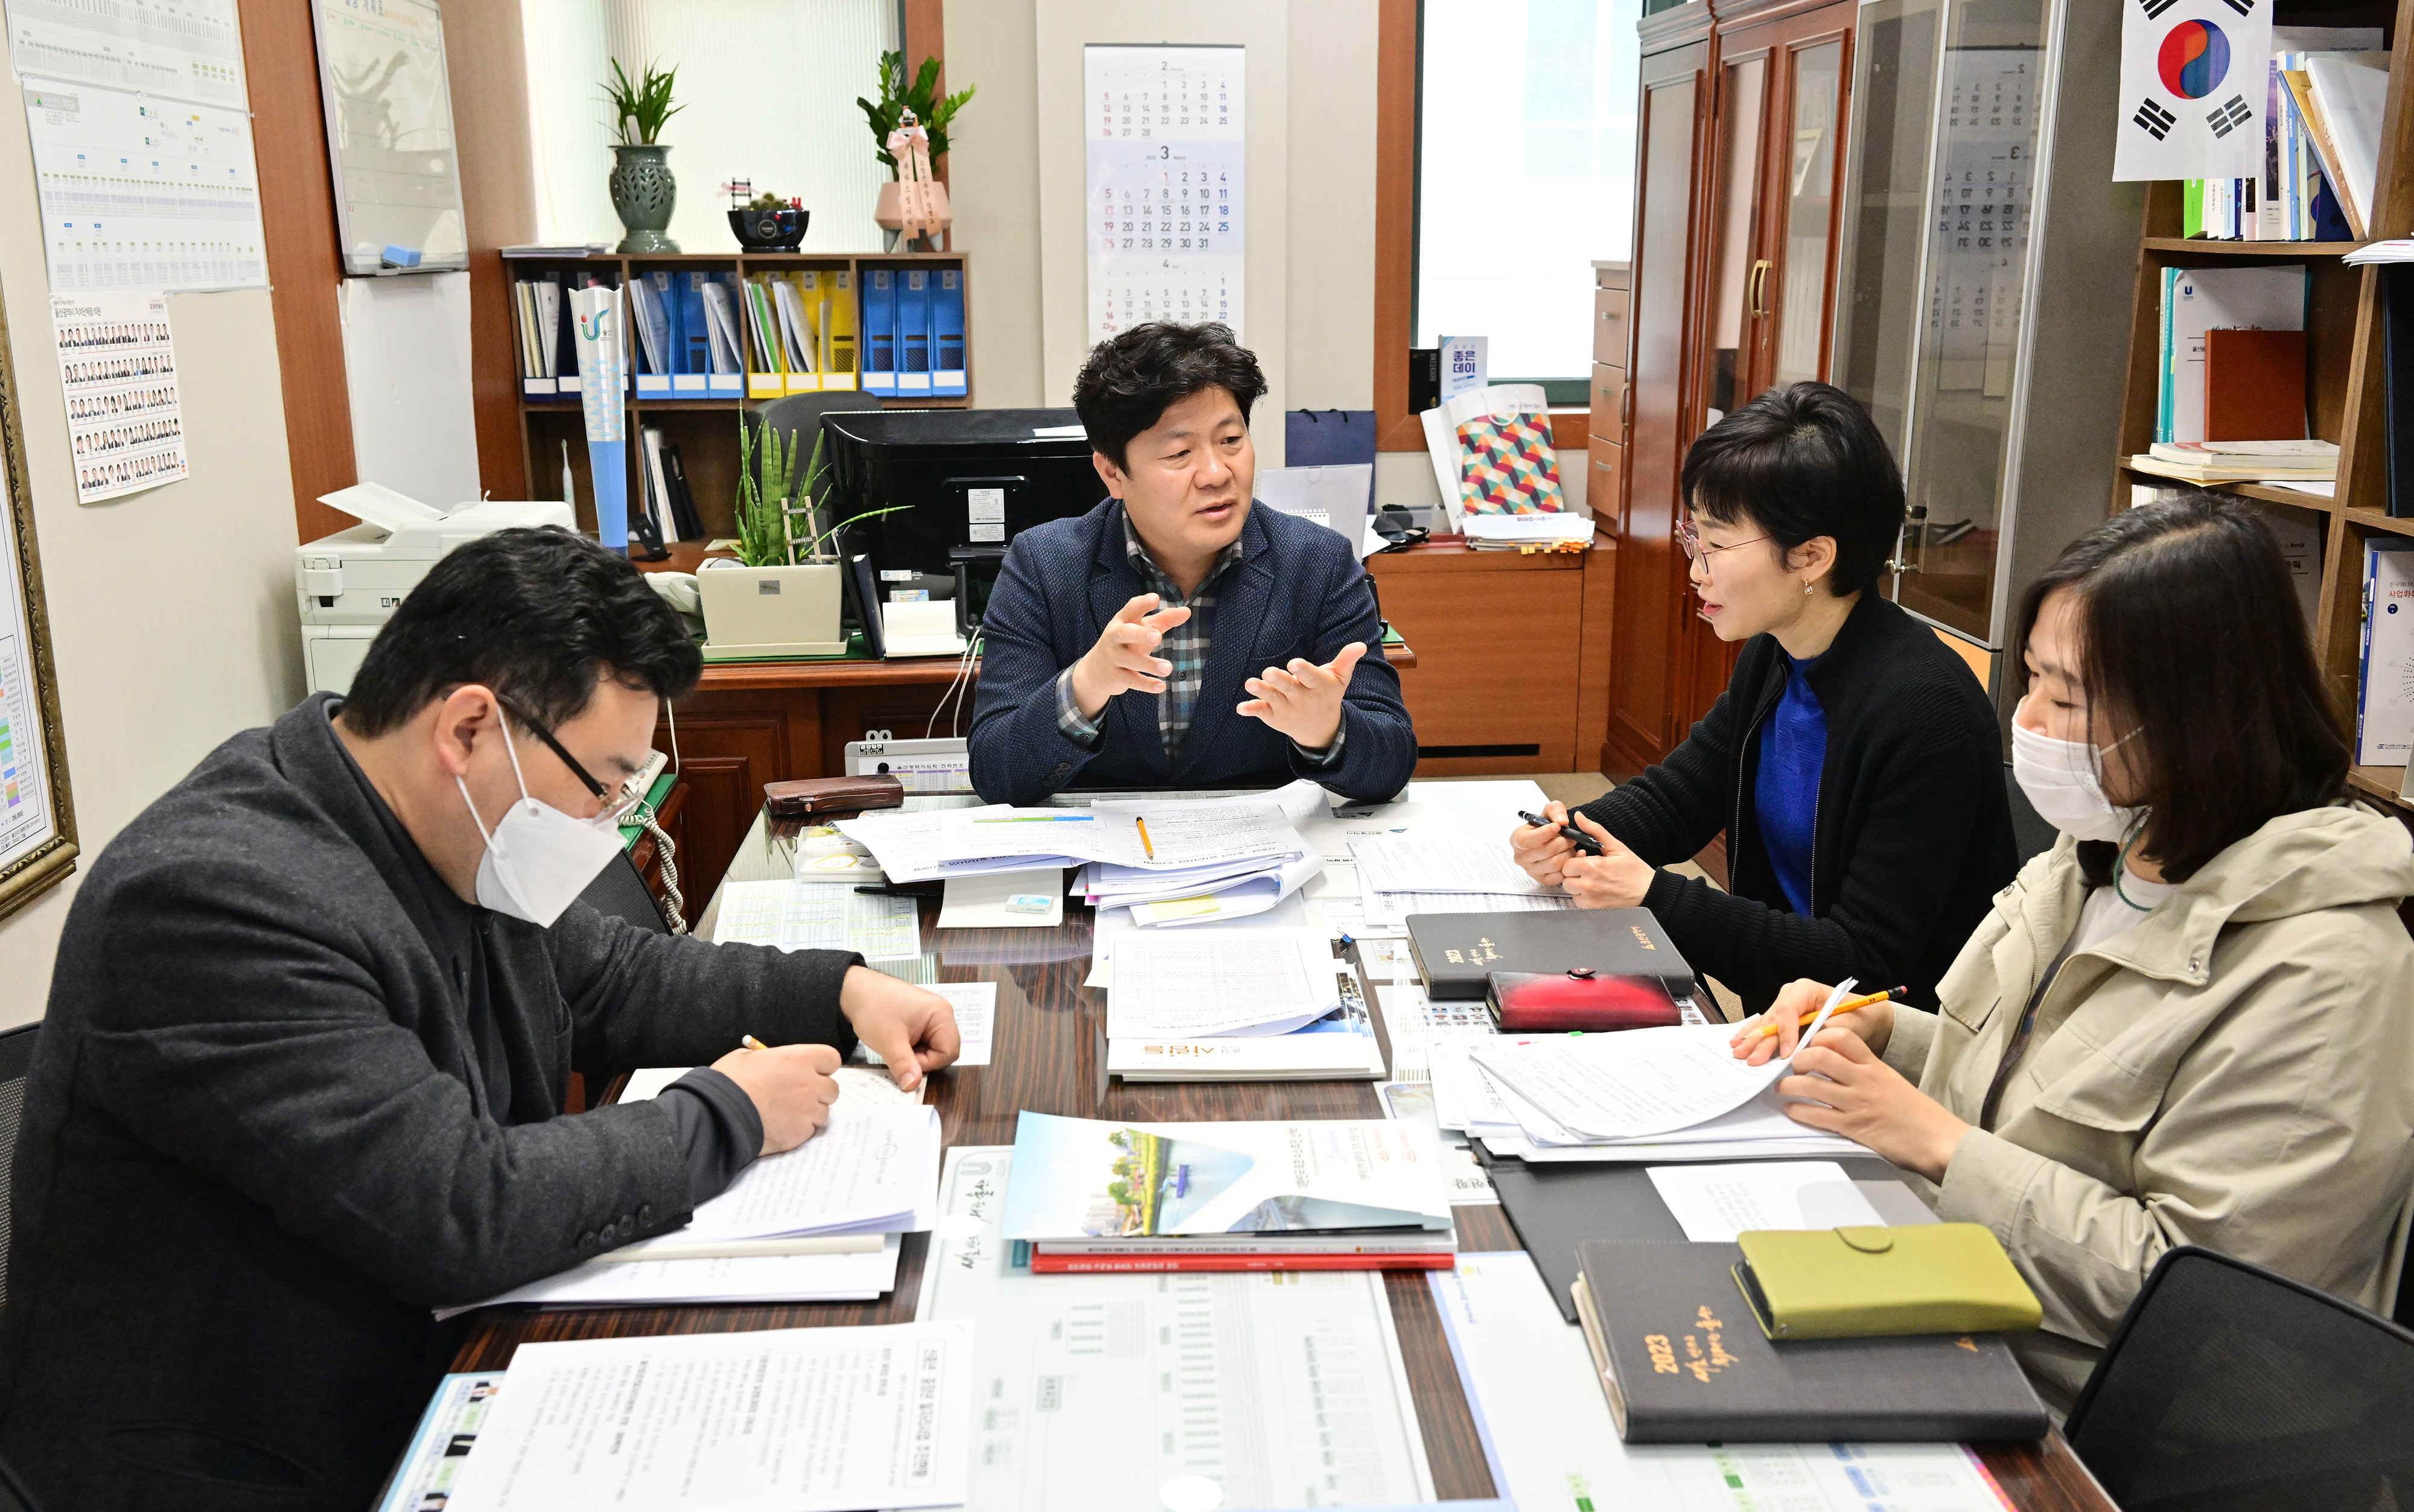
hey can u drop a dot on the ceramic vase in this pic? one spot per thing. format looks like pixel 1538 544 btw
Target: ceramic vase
pixel 643 195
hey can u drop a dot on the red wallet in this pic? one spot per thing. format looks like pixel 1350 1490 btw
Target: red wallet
pixel 1536 1003
pixel 804 797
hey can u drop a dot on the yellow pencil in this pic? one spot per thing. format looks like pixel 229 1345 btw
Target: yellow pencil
pixel 1143 839
pixel 751 1043
pixel 1866 999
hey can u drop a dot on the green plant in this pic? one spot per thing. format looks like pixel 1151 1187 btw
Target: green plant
pixel 922 98
pixel 640 108
pixel 767 495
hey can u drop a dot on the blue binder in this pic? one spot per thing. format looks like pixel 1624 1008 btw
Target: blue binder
pixel 947 335
pixel 913 333
pixel 879 325
pixel 694 336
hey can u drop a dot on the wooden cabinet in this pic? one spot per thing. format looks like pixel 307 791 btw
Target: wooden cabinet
pixel 1737 157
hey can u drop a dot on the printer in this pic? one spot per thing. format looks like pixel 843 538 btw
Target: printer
pixel 348 583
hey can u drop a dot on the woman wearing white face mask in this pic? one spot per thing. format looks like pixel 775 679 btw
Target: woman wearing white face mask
pixel 2187 1022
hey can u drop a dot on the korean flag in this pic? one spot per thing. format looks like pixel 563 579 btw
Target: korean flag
pixel 2193 88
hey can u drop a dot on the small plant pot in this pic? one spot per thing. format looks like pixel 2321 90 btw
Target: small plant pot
pixel 752 612
pixel 769 230
pixel 644 194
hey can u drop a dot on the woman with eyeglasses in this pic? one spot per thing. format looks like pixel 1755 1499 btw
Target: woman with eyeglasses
pixel 2187 1022
pixel 1853 763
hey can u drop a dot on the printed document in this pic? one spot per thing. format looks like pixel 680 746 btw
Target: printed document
pixel 1444 861
pixel 975 1006
pixel 1097 1391
pixel 1165 836
pixel 779 1420
pixel 1715 1203
pixel 1547 1434
pixel 1643 1081
pixel 795 915
pixel 1186 985
pixel 869 1170
pixel 856 1276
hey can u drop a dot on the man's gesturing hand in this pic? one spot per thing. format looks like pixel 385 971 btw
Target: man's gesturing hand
pixel 1304 701
pixel 792 1087
pixel 1124 659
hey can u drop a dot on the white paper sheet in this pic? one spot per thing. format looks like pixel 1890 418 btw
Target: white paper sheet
pixel 1715 1203
pixel 117 361
pixel 1186 985
pixel 1150 836
pixel 779 1420
pixel 1386 913
pixel 795 915
pixel 868 1170
pixel 1412 1103
pixel 1109 924
pixel 1416 1021
pixel 857 1085
pixel 983 902
pixel 907 844
pixel 1645 1081
pixel 1097 1390
pixel 1546 1429
pixel 1444 861
pixel 858 1276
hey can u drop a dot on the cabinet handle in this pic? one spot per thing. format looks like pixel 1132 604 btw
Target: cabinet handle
pixel 1759 286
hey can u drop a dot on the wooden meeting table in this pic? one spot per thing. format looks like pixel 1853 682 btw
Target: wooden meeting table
pixel 1049 1054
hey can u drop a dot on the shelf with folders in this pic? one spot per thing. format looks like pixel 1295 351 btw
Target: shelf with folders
pixel 2347 358
pixel 707 336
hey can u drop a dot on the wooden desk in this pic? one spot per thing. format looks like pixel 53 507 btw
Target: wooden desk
pixel 1050 1056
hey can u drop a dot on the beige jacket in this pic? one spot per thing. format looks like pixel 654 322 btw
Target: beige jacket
pixel 2235 1070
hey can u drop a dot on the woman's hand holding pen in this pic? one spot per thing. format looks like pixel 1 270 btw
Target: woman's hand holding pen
pixel 1540 849
pixel 1616 879
pixel 1840 1086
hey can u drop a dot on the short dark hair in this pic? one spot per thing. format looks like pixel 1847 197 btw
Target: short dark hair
pixel 540 617
pixel 1130 380
pixel 1801 462
pixel 2190 631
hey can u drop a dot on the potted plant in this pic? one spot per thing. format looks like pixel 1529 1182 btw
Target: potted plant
pixel 766 222
pixel 922 115
pixel 643 191
pixel 780 597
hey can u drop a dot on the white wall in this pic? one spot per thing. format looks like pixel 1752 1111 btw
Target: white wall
pixel 172 612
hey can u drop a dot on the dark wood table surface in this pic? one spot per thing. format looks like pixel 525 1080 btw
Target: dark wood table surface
pixel 1049 1056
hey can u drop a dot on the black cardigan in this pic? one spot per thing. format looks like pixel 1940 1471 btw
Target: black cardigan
pixel 257 1149
pixel 1913 838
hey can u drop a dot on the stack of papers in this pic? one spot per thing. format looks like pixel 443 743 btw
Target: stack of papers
pixel 1445 871
pixel 1645 1094
pixel 1233 838
pixel 1502 532
pixel 803 915
pixel 871 1175
pixel 1258 1004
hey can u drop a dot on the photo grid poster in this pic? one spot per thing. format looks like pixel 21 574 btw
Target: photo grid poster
pixel 117 360
pixel 1167 134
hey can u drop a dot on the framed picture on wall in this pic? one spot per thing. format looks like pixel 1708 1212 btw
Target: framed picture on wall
pixel 38 836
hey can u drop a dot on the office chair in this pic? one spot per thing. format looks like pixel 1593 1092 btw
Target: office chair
pixel 16 1060
pixel 2032 836
pixel 799 415
pixel 2228 1389
pixel 620 892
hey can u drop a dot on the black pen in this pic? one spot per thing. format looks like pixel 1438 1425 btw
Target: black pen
pixel 1583 843
pixel 898 889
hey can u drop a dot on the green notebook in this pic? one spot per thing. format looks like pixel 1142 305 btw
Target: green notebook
pixel 1865 1282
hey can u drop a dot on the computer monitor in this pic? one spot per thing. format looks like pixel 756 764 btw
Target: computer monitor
pixel 974 480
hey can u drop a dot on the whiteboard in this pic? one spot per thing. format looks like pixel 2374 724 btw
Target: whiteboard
pixel 390 132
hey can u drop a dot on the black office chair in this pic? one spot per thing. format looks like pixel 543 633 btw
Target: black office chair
pixel 799 416
pixel 620 892
pixel 2228 1389
pixel 16 1060
pixel 2032 836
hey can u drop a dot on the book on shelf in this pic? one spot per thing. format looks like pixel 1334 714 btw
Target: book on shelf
pixel 2397 383
pixel 2384 699
pixel 2198 461
pixel 2254 385
pixel 2197 299
pixel 1334 1193
pixel 840 323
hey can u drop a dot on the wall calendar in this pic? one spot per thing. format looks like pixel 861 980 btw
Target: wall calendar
pixel 1167 138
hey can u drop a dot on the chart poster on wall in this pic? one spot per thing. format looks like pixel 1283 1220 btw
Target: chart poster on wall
pixel 389 133
pixel 1167 129
pixel 37 843
pixel 140 191
pixel 117 360
pixel 182 48
pixel 2194 82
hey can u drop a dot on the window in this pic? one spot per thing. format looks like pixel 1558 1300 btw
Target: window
pixel 1525 175
pixel 768 90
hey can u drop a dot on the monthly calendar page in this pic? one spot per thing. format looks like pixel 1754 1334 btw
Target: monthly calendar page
pixel 1167 144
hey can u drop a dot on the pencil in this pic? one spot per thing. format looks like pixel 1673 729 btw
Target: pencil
pixel 1866 999
pixel 751 1043
pixel 1143 839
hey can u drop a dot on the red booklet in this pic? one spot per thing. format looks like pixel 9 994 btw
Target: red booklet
pixel 1555 1003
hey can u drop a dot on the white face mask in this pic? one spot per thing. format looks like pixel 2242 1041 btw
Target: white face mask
pixel 538 859
pixel 2064 780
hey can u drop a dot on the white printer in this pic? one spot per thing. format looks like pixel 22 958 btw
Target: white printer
pixel 348 583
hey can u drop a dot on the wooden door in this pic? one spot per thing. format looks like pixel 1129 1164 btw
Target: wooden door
pixel 1671 138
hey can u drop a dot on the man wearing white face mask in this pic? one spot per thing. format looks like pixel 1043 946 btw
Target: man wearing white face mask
pixel 2187 1023
pixel 313 1015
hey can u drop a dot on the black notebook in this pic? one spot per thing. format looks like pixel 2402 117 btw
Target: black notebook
pixel 1457 952
pixel 1682 1362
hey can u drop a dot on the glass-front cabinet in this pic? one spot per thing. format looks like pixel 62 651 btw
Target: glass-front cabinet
pixel 2002 406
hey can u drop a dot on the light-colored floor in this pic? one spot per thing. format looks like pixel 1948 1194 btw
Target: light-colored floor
pixel 1575 788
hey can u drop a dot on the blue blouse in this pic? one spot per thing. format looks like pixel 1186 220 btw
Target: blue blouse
pixel 1785 795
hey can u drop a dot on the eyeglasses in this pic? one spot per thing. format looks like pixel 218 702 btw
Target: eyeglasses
pixel 619 803
pixel 1695 551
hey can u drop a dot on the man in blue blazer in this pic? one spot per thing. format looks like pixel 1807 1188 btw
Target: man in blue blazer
pixel 1117 646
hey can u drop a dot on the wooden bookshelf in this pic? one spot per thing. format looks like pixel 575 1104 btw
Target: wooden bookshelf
pixel 703 427
pixel 2344 397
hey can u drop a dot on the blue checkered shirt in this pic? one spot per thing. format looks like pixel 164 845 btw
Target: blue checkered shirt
pixel 1184 645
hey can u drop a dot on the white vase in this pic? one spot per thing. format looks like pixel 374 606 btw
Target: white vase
pixel 754 612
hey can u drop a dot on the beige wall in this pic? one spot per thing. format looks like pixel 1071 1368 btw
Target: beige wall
pixel 172 611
